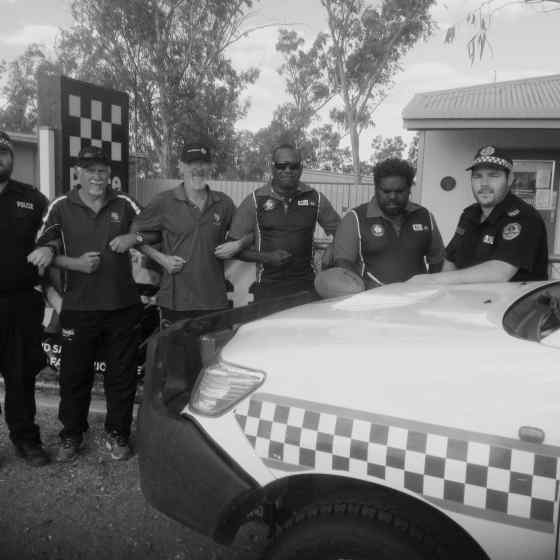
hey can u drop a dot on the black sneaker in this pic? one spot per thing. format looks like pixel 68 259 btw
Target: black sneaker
pixel 68 449
pixel 119 446
pixel 32 453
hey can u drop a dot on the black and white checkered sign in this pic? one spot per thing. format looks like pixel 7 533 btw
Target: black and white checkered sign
pixel 509 479
pixel 96 116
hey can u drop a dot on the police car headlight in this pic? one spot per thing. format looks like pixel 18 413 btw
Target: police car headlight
pixel 221 386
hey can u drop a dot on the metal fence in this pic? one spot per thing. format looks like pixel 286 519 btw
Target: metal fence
pixel 342 196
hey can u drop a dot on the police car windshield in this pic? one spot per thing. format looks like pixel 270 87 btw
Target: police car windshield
pixel 536 316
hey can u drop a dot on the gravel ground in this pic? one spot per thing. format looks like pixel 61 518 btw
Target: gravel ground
pixel 92 509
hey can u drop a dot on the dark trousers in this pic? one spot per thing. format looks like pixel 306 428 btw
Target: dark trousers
pixel 21 358
pixel 83 333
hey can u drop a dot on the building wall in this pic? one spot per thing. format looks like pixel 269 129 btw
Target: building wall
pixel 448 153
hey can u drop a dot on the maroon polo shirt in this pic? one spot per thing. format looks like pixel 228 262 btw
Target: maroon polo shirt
pixel 193 235
pixel 385 250
pixel 80 230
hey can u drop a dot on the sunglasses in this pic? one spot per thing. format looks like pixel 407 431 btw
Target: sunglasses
pixel 282 166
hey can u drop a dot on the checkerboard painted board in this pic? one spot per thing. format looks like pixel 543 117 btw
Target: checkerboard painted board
pixel 496 478
pixel 96 116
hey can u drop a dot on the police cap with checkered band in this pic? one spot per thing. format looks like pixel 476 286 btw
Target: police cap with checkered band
pixel 195 152
pixel 490 156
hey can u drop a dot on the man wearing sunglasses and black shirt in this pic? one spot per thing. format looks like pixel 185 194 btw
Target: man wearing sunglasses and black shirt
pixel 283 215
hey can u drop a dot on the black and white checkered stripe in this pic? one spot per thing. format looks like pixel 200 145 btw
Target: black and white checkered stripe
pixel 493 477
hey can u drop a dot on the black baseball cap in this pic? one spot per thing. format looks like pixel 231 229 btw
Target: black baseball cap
pixel 490 156
pixel 6 143
pixel 195 152
pixel 92 154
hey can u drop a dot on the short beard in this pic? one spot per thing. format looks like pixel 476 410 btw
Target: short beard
pixel 5 174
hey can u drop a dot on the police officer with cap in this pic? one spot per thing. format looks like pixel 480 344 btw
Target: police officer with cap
pixel 500 237
pixel 192 221
pixel 21 306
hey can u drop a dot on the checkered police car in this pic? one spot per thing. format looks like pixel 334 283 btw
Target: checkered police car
pixel 403 422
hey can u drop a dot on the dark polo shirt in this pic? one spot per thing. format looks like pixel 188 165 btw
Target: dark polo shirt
pixel 21 211
pixel 514 232
pixel 289 224
pixel 384 250
pixel 193 235
pixel 80 230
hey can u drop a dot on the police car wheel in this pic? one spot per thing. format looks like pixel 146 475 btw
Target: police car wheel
pixel 351 532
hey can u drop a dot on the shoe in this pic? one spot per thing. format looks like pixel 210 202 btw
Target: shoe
pixel 32 453
pixel 68 450
pixel 119 446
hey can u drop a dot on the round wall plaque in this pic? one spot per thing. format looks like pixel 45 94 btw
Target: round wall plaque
pixel 448 183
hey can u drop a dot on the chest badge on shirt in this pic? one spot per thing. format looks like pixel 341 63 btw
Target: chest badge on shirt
pixel 377 230
pixel 460 231
pixel 513 213
pixel 419 227
pixel 269 205
pixel 511 231
pixel 488 239
pixel 25 204
pixel 217 219
pixel 115 218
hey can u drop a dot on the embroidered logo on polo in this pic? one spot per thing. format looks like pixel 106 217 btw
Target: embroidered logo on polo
pixel 377 230
pixel 303 202
pixel 269 205
pixel 511 231
pixel 420 227
pixel 513 213
pixel 217 219
pixel 115 217
pixel 477 474
pixel 25 204
pixel 460 231
pixel 488 239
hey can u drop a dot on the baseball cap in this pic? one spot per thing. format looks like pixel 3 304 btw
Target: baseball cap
pixel 490 156
pixel 92 154
pixel 6 143
pixel 195 152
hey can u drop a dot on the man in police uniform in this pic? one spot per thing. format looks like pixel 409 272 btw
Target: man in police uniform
pixel 389 239
pixel 282 215
pixel 100 304
pixel 21 306
pixel 192 221
pixel 500 237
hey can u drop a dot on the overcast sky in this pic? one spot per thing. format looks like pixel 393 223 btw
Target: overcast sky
pixel 525 43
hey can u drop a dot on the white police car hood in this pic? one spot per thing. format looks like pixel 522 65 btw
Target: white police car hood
pixel 406 350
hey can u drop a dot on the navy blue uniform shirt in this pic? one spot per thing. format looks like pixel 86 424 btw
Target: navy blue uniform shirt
pixel 21 210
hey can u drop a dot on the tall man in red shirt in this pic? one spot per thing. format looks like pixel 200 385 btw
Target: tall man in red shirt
pixel 100 304
pixel 192 220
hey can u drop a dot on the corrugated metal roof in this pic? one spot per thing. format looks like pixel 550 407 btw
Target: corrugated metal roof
pixel 532 98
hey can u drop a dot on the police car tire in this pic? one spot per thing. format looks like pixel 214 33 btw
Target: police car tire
pixel 348 530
